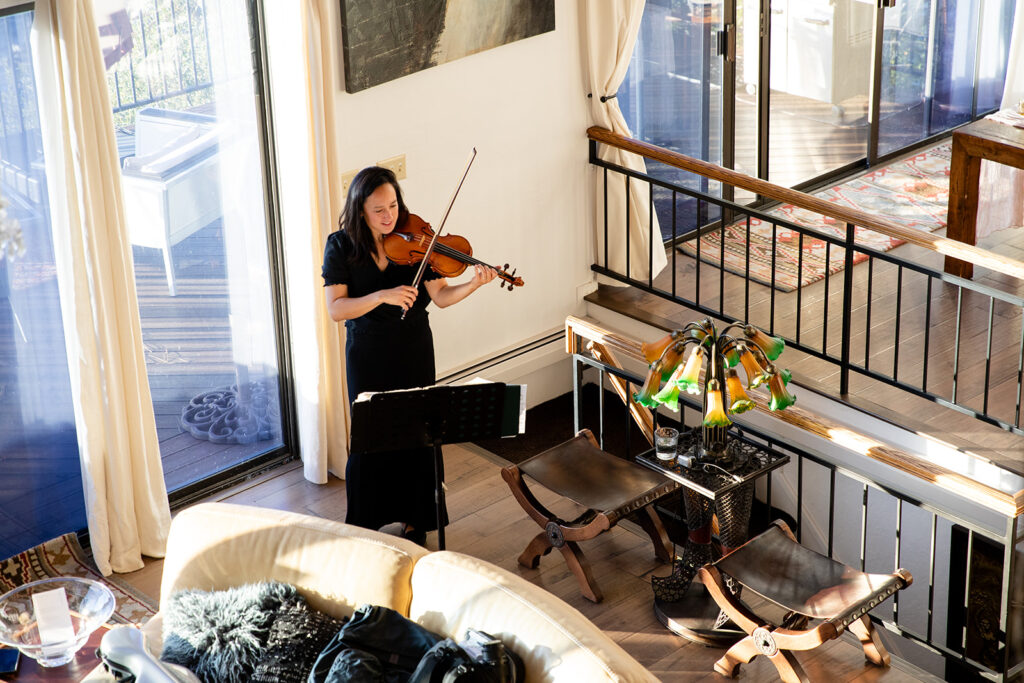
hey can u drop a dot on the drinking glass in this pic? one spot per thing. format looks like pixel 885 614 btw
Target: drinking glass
pixel 666 442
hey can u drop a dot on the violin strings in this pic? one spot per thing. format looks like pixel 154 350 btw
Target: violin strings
pixel 462 256
pixel 466 258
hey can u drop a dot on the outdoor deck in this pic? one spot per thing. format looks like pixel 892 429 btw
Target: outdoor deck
pixel 187 340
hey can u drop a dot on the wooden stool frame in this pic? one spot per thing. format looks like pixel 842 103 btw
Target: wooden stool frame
pixel 636 493
pixel 777 643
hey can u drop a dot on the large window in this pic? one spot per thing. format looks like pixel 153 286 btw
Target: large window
pixel 820 62
pixel 943 63
pixel 183 78
pixel 672 97
pixel 40 477
pixel 799 109
pixel 182 83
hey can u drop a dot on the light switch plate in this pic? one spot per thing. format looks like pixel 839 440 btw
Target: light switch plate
pixel 346 180
pixel 396 164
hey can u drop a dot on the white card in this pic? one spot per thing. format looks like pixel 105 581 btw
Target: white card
pixel 53 616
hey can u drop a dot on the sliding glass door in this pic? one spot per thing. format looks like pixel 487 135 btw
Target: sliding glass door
pixel 943 64
pixel 184 78
pixel 820 67
pixel 183 87
pixel 782 89
pixel 673 96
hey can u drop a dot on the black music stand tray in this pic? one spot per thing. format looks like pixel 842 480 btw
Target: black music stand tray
pixel 432 416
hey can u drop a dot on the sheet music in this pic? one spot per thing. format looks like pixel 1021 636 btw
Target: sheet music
pixel 512 392
pixel 520 388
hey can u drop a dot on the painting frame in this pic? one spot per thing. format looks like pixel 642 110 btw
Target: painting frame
pixel 383 40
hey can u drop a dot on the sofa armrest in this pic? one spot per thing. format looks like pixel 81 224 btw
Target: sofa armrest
pixel 336 567
pixel 453 592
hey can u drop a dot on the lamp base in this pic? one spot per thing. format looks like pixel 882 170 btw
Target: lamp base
pixel 695 618
pixel 733 456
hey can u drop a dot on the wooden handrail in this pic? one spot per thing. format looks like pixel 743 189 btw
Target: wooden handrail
pixel 842 436
pixel 942 245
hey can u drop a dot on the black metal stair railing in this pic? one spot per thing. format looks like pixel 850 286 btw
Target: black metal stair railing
pixel 949 340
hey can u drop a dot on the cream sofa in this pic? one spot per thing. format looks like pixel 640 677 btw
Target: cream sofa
pixel 338 567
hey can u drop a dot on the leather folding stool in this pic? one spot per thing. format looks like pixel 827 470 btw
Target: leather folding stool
pixel 607 486
pixel 808 587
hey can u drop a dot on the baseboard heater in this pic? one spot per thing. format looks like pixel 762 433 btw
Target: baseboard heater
pixel 519 353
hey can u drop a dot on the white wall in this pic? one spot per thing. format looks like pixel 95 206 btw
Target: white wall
pixel 523 106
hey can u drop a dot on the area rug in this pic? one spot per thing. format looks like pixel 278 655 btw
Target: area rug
pixel 64 556
pixel 913 192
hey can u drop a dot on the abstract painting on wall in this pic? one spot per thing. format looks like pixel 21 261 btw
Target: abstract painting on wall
pixel 387 39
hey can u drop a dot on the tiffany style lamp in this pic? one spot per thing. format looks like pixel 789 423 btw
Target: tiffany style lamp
pixel 699 359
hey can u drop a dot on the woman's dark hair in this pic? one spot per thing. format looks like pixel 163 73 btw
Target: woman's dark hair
pixel 352 221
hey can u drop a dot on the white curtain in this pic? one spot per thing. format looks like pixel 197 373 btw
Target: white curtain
pixel 125 497
pixel 1001 190
pixel 304 56
pixel 610 30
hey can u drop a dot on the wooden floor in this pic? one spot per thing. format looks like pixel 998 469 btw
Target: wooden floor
pixel 486 522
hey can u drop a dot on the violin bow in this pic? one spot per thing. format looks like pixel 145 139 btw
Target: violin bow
pixel 437 233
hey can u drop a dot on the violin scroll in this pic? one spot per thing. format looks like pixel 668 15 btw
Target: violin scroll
pixel 509 279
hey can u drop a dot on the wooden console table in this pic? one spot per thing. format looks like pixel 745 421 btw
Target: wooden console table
pixel 982 139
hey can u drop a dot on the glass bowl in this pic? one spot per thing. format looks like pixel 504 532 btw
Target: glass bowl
pixel 90 602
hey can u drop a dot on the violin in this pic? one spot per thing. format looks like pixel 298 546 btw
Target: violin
pixel 451 255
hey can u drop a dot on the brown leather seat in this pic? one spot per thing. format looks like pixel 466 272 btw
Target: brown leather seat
pixel 608 487
pixel 808 586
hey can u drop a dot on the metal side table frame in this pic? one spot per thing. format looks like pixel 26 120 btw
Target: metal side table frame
pixel 686 607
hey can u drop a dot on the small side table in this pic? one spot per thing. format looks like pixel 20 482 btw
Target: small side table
pixel 707 490
pixel 76 670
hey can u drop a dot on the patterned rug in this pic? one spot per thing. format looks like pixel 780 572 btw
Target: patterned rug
pixel 64 556
pixel 913 192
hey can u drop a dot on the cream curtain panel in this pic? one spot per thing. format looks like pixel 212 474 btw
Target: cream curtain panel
pixel 610 30
pixel 1001 190
pixel 125 497
pixel 304 58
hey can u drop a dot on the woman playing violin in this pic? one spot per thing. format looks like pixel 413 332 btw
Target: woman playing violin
pixel 383 350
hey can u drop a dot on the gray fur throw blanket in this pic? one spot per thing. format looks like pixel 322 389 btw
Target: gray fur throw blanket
pixel 259 632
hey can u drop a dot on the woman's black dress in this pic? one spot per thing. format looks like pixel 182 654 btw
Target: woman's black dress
pixel 384 352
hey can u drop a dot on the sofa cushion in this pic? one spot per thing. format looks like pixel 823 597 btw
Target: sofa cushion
pixel 453 592
pixel 336 567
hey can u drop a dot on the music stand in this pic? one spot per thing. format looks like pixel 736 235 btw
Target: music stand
pixel 432 416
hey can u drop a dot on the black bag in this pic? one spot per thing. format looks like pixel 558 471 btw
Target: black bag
pixel 377 644
pixel 481 658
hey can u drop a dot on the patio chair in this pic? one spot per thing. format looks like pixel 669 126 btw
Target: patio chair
pixel 172 183
pixel 806 586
